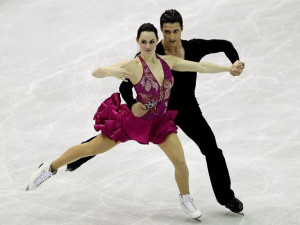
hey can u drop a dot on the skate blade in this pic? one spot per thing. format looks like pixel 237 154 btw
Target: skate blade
pixel 241 213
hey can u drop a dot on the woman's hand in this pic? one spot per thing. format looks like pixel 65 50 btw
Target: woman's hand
pixel 121 74
pixel 237 68
pixel 139 109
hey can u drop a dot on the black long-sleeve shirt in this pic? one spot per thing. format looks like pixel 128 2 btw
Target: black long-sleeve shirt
pixel 183 91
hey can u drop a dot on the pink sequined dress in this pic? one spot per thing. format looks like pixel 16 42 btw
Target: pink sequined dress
pixel 116 121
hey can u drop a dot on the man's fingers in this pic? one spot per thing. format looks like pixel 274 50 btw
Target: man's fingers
pixel 139 109
pixel 240 65
pixel 126 75
pixel 236 72
pixel 144 107
pixel 129 75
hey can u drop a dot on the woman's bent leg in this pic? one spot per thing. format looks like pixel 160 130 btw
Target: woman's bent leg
pixel 173 149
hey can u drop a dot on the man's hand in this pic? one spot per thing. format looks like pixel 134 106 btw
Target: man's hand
pixel 139 109
pixel 237 68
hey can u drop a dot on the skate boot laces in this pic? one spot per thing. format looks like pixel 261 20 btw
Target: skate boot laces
pixel 189 207
pixel 188 202
pixel 41 175
pixel 45 175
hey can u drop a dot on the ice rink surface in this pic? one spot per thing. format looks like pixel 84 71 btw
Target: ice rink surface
pixel 48 97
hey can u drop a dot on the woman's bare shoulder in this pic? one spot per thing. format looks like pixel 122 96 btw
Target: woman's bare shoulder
pixel 125 63
pixel 170 57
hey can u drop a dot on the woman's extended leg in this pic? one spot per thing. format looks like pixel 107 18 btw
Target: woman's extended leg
pixel 98 145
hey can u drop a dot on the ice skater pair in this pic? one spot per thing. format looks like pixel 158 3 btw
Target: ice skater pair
pixel 189 118
pixel 152 78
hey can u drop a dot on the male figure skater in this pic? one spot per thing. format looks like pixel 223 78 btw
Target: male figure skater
pixel 189 118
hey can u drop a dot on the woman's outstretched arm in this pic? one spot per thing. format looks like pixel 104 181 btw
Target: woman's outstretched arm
pixel 115 70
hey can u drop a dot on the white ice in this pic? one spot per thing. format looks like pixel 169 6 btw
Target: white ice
pixel 48 50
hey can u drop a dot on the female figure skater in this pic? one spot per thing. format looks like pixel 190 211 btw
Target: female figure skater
pixel 152 79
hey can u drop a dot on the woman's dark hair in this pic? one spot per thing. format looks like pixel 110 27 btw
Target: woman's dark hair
pixel 171 16
pixel 146 27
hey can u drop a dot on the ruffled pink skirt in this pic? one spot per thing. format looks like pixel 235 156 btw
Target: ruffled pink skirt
pixel 116 121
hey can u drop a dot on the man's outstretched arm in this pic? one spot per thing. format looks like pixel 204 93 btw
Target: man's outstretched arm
pixel 214 46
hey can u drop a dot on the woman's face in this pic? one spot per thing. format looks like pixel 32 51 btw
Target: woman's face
pixel 147 42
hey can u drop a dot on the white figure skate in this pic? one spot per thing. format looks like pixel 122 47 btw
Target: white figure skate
pixel 189 207
pixel 41 175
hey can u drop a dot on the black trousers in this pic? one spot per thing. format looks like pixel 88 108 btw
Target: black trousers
pixel 194 125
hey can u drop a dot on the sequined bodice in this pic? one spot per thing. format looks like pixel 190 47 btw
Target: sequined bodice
pixel 150 93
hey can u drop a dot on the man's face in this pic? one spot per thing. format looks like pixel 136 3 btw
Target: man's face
pixel 171 32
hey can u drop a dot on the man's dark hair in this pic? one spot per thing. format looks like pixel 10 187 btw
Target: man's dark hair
pixel 171 16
